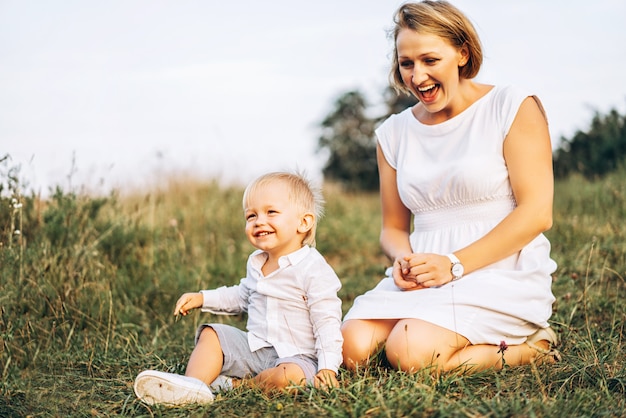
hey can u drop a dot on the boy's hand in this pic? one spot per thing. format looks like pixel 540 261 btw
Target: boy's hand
pixel 187 302
pixel 325 379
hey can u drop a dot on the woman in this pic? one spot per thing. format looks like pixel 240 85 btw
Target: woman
pixel 471 163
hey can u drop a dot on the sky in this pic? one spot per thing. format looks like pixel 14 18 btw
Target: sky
pixel 122 94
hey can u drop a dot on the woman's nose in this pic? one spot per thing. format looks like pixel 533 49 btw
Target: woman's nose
pixel 418 76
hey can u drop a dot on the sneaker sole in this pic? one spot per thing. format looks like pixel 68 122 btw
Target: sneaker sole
pixel 154 387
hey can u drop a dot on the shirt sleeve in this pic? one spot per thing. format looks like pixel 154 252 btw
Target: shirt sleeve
pixel 325 315
pixel 226 300
pixel 387 137
pixel 509 101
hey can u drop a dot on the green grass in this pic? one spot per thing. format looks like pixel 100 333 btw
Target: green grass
pixel 88 286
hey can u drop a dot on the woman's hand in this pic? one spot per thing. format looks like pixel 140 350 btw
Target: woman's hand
pixel 187 302
pixel 419 271
pixel 402 276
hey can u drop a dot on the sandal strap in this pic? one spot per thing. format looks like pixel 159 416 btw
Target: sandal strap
pixel 545 334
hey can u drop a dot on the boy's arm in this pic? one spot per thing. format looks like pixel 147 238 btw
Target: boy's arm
pixel 188 302
pixel 226 300
pixel 325 314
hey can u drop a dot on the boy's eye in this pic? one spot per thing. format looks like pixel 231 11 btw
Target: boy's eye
pixel 250 216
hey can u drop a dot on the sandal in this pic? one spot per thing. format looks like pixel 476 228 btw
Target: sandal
pixel 545 334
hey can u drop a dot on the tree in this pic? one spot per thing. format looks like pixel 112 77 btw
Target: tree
pixel 594 153
pixel 396 102
pixel 348 136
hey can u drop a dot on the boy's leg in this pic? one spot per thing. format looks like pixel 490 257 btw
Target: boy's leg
pixel 288 371
pixel 206 360
pixel 155 387
pixel 280 377
pixel 238 361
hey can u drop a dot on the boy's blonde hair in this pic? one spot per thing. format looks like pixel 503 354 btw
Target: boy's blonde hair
pixel 442 19
pixel 306 197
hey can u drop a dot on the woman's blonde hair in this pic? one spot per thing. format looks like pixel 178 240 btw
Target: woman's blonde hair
pixel 442 19
pixel 302 193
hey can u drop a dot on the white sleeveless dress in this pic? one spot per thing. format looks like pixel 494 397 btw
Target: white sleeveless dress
pixel 453 178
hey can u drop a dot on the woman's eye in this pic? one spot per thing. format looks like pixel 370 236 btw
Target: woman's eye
pixel 406 64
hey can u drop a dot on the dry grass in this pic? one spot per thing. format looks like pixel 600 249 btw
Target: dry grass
pixel 89 283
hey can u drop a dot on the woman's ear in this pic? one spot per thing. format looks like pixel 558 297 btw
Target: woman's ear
pixel 463 55
pixel 306 223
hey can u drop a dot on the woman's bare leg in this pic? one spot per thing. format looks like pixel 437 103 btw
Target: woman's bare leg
pixel 206 360
pixel 414 345
pixel 484 356
pixel 362 338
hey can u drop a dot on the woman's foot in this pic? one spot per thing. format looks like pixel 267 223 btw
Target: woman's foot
pixel 544 341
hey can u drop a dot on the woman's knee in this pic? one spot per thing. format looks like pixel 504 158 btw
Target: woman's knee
pixel 351 332
pixel 416 345
pixel 361 340
pixel 411 358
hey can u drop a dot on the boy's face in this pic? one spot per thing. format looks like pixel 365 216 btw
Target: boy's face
pixel 273 223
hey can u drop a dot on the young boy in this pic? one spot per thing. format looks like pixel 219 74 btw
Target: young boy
pixel 290 294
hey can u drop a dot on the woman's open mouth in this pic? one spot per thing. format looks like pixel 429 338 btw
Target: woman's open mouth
pixel 428 93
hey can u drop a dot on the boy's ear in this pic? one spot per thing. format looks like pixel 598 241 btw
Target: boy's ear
pixel 306 223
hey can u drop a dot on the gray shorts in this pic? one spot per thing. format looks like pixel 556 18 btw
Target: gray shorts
pixel 240 362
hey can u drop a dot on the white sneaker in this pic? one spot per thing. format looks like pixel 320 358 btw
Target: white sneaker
pixel 154 387
pixel 221 384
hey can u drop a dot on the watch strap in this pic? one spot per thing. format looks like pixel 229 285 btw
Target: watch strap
pixel 454 260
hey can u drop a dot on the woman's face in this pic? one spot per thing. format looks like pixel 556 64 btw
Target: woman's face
pixel 429 66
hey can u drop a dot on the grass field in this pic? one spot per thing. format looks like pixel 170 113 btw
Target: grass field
pixel 88 285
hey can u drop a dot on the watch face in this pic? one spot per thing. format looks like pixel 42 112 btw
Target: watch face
pixel 457 270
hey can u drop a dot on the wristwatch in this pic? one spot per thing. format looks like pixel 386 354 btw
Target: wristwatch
pixel 456 268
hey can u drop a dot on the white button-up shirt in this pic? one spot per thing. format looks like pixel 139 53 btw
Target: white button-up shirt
pixel 295 309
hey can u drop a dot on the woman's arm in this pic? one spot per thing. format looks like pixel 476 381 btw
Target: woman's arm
pixel 528 156
pixel 396 224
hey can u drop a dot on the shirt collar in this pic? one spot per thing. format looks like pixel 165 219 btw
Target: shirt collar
pixel 259 257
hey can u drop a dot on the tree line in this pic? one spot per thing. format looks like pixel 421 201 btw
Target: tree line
pixel 347 138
